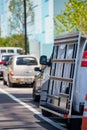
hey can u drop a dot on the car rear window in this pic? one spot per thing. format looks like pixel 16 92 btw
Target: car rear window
pixel 26 61
pixel 6 57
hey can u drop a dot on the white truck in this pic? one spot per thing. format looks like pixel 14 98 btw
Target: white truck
pixel 64 93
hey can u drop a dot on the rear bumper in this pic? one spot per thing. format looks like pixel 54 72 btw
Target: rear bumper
pixel 22 80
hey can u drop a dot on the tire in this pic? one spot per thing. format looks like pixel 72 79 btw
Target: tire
pixel 46 113
pixel 74 124
pixel 35 97
pixel 4 82
pixel 9 83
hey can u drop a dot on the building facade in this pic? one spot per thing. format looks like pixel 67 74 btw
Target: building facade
pixel 41 28
pixel 40 31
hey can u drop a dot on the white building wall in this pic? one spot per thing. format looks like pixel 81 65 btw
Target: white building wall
pixel 41 32
pixel 35 28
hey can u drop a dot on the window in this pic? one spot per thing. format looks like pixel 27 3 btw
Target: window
pixel 6 57
pixel 26 61
pixel 3 51
pixel 19 51
pixel 10 51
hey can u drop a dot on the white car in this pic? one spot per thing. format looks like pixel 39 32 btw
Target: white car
pixel 20 70
pixel 4 58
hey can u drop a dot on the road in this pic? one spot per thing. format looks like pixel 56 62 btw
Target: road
pixel 18 111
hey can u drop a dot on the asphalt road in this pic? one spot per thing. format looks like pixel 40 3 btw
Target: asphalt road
pixel 18 111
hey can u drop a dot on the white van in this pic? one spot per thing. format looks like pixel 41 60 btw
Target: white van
pixel 17 50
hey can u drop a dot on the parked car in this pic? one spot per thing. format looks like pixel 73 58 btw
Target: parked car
pixel 41 77
pixel 4 58
pixel 20 70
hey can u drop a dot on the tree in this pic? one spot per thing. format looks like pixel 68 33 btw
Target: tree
pixel 73 18
pixel 17 21
pixel 16 8
pixel 15 40
pixel 2 42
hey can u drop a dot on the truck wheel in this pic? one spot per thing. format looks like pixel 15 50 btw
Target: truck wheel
pixel 74 124
pixel 46 113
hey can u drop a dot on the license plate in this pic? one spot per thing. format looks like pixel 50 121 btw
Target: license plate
pixel 27 80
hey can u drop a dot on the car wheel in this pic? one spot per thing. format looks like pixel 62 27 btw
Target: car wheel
pixel 4 82
pixel 9 83
pixel 35 97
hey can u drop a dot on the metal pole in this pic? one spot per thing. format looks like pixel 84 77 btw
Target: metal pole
pixel 25 28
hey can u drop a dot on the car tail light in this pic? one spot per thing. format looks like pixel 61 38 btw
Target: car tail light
pixel 2 62
pixel 84 60
pixel 11 73
pixel 65 115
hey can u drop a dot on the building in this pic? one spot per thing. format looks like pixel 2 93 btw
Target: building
pixel 41 25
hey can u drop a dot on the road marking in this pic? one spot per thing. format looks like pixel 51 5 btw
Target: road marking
pixel 57 125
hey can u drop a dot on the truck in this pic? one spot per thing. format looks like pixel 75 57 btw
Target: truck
pixel 64 92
